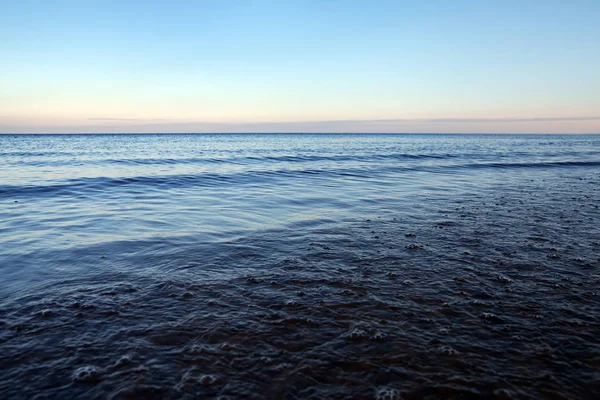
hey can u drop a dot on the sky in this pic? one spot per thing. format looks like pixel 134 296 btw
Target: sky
pixel 300 66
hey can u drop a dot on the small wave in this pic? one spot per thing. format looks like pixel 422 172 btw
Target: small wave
pixel 38 159
pixel 86 186
pixel 47 159
pixel 553 164
pixel 38 154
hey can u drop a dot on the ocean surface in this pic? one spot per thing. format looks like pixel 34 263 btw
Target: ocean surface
pixel 299 266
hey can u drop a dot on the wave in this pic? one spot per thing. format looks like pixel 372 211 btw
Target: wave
pixel 228 160
pixel 541 164
pixel 49 159
pixel 85 186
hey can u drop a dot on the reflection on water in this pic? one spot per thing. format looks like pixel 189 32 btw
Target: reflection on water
pixel 292 266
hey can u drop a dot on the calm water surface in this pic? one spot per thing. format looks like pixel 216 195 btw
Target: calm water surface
pixel 299 266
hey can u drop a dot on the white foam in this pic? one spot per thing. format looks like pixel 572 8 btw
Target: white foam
pixel 87 374
pixel 387 394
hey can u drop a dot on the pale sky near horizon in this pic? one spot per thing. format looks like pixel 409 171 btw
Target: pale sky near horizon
pixel 300 66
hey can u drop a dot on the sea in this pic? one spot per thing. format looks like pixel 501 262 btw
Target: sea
pixel 299 266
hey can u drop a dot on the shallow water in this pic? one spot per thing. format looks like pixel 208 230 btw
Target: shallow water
pixel 299 266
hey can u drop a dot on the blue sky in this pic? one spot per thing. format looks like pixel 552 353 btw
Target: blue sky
pixel 372 66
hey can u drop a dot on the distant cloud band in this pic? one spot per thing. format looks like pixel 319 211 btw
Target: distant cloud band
pixel 363 121
pixel 470 120
pixel 586 124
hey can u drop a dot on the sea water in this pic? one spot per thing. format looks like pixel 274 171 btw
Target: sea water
pixel 299 266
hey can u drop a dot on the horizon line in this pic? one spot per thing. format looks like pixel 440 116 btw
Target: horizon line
pixel 299 133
